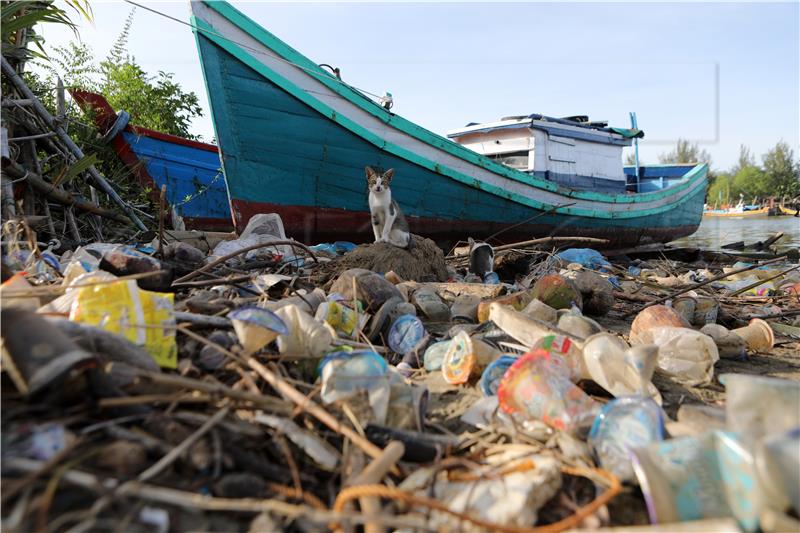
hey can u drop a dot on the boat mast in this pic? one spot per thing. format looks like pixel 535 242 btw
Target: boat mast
pixel 634 126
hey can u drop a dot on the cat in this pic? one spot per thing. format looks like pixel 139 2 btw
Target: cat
pixel 388 222
pixel 481 258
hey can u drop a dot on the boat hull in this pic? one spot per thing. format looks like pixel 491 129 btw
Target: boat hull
pixel 191 170
pixel 297 147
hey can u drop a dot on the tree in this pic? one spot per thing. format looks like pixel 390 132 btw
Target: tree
pixel 750 181
pixel 685 152
pixel 155 102
pixel 781 174
pixel 720 191
pixel 746 159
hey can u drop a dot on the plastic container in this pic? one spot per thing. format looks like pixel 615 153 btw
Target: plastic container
pixel 345 373
pixel 537 387
pixel 757 334
pixel 405 334
pixel 344 320
pixel 491 377
pixel 686 355
pixel 568 350
pixel 466 357
pixel 622 425
pixel 434 355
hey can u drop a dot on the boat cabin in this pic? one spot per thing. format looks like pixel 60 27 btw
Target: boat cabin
pixel 571 151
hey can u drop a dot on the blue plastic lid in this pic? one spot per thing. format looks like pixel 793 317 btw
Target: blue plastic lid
pixel 405 333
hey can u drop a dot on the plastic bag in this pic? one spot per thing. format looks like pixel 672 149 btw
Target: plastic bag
pixel 587 257
pixel 143 317
pixel 684 354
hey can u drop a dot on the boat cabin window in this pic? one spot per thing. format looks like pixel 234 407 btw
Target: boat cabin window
pixel 517 160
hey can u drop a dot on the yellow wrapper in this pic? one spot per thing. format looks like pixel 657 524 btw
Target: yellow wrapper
pixel 145 318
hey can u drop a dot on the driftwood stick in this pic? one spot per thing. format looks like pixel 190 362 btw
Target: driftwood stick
pixel 161 200
pixel 549 240
pixel 178 450
pixel 204 321
pixel 373 474
pixel 267 403
pixel 308 405
pixel 701 284
pixel 58 195
pixel 192 500
pixel 51 122
pixel 211 282
pixel 212 264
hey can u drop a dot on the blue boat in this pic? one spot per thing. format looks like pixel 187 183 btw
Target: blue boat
pixel 191 170
pixel 294 139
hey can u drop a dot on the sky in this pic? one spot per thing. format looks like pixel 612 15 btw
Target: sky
pixel 719 74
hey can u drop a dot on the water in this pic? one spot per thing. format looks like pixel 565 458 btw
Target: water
pixel 717 231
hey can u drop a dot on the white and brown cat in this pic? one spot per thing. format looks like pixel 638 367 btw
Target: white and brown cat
pixel 388 222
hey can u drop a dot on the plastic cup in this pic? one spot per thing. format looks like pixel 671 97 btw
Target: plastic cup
pixel 537 386
pixel 256 327
pixel 541 311
pixel 758 335
pixel 685 306
pixel 491 377
pixel 434 355
pixel 466 357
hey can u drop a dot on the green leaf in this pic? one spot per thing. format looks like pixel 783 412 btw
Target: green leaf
pixel 77 168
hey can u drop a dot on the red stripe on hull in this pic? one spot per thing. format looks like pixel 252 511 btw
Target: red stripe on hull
pixel 313 225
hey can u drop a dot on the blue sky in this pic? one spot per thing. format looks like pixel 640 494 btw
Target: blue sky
pixel 720 74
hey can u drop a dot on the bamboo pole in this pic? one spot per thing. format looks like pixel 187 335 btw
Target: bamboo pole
pixel 97 178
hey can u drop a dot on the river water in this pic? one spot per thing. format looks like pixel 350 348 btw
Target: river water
pixel 717 231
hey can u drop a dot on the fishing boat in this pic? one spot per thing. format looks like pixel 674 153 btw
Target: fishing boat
pixel 294 140
pixel 739 210
pixel 196 191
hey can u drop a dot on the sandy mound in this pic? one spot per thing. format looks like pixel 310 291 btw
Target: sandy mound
pixel 423 262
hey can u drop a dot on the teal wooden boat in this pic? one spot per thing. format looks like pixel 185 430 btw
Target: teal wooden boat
pixel 294 140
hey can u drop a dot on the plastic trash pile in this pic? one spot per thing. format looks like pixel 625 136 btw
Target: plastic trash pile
pixel 171 388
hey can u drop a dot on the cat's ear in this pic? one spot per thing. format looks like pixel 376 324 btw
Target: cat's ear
pixel 471 242
pixel 387 176
pixel 371 176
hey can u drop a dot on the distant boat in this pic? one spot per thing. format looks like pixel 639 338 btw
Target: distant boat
pixel 295 139
pixel 190 169
pixel 739 210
